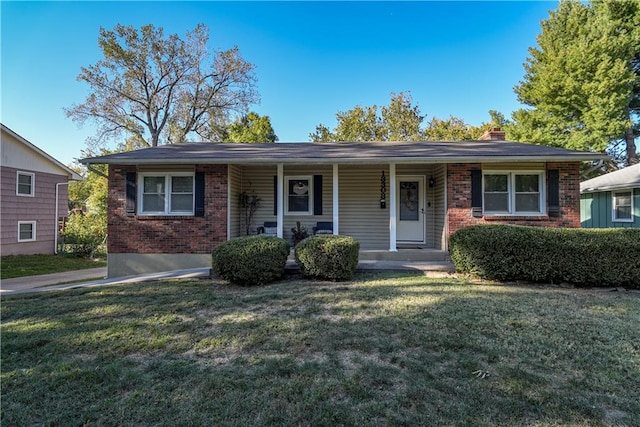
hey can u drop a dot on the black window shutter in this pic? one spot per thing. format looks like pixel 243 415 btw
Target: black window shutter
pixel 199 194
pixel 553 184
pixel 476 193
pixel 275 195
pixel 317 194
pixel 130 193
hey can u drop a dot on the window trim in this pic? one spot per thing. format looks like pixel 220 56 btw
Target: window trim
pixel 167 193
pixel 614 217
pixel 33 231
pixel 511 193
pixel 33 184
pixel 287 179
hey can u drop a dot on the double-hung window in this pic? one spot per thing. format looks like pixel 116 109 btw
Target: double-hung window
pixel 513 193
pixel 25 183
pixel 622 204
pixel 298 199
pixel 166 194
pixel 26 231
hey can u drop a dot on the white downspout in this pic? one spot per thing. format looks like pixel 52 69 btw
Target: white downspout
pixel 336 205
pixel 280 201
pixel 392 208
pixel 55 222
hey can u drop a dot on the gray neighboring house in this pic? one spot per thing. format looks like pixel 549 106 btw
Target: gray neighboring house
pixel 611 200
pixel 33 196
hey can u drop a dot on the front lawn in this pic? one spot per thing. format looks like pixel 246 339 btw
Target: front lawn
pixel 383 349
pixel 32 265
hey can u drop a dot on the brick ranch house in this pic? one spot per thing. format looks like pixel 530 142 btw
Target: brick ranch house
pixel 169 206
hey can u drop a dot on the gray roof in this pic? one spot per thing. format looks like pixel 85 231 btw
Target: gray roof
pixel 343 153
pixel 628 177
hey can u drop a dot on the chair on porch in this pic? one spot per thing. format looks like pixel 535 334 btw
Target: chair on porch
pixel 270 228
pixel 323 227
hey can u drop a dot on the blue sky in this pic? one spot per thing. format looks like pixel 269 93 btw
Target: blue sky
pixel 312 59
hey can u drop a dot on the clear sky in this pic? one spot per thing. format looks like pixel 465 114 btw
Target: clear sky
pixel 312 59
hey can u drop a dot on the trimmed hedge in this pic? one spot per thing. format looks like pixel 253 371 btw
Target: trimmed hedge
pixel 251 260
pixel 328 257
pixel 591 257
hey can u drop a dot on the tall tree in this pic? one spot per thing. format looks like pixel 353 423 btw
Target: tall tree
pixel 582 80
pixel 251 128
pixel 399 121
pixel 155 89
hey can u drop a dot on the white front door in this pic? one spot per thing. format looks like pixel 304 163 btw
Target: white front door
pixel 410 209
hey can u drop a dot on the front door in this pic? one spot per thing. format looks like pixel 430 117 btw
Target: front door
pixel 410 209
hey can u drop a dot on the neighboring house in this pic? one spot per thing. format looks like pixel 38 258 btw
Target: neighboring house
pixel 33 196
pixel 169 206
pixel 611 200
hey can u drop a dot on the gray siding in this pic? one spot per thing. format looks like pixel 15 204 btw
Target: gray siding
pixel 360 214
pixel 440 212
pixel 40 208
pixel 596 211
pixel 235 188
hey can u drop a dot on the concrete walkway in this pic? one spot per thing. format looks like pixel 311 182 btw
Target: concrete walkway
pixel 96 276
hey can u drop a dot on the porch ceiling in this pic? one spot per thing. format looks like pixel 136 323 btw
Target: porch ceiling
pixel 344 153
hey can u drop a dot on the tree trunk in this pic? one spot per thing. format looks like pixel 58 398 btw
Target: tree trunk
pixel 632 154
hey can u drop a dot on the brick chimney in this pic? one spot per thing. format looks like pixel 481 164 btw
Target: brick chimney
pixel 493 134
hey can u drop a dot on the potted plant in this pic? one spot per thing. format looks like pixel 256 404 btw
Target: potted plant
pixel 299 233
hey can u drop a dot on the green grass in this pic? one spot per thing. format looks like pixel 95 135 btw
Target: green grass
pixel 383 349
pixel 32 265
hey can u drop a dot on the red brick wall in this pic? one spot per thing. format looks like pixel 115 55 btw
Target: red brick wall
pixel 459 199
pixel 168 234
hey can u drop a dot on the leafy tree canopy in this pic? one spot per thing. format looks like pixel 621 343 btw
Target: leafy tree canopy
pixel 251 128
pixel 582 81
pixel 400 121
pixel 154 89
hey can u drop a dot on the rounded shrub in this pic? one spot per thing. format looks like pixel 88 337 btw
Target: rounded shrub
pixel 593 257
pixel 328 257
pixel 251 260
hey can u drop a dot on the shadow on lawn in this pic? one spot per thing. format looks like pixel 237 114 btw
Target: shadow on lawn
pixel 382 349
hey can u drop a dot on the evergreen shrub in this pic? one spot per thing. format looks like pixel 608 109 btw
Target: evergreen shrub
pixel 251 260
pixel 328 257
pixel 589 257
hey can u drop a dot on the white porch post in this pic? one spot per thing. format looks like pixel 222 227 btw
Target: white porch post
pixel 336 214
pixel 280 200
pixel 392 208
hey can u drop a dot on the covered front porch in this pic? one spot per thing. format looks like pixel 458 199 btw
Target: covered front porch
pixel 388 208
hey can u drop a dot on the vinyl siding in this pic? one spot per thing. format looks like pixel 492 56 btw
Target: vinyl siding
pixel 440 211
pixel 596 211
pixel 39 208
pixel 235 188
pixel 360 214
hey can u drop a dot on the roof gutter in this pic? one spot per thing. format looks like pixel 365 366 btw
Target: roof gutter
pixel 359 161
pixel 94 170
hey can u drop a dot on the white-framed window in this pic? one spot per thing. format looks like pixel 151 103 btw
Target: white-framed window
pixel 26 231
pixel 25 183
pixel 622 206
pixel 513 193
pixel 166 194
pixel 298 195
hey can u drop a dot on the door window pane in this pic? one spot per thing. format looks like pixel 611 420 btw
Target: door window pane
pixel 409 200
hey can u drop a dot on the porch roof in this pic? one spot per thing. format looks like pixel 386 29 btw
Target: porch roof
pixel 343 153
